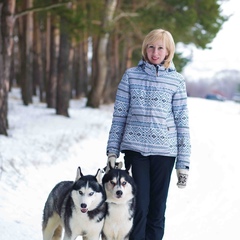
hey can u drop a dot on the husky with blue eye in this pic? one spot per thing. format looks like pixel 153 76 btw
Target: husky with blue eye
pixel 78 207
pixel 120 192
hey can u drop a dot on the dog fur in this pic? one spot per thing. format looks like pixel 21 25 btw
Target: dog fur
pixel 120 191
pixel 77 207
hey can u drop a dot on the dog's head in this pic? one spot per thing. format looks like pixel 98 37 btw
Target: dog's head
pixel 119 186
pixel 88 192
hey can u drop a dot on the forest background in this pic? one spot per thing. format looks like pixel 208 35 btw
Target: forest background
pixel 60 50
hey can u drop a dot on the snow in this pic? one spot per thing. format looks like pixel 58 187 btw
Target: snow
pixel 43 149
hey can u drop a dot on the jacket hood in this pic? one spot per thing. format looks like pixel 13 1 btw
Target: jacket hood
pixel 151 68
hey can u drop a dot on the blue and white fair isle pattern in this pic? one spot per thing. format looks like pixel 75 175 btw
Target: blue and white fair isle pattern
pixel 150 114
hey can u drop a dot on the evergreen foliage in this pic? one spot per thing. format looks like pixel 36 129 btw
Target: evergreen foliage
pixel 192 22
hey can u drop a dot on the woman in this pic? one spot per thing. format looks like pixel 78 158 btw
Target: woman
pixel 150 126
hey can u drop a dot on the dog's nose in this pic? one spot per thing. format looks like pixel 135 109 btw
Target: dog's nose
pixel 83 205
pixel 119 193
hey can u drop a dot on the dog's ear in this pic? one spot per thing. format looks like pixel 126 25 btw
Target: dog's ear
pixel 79 174
pixel 129 171
pixel 99 175
pixel 118 165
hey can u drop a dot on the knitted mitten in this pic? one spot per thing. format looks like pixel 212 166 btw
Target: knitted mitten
pixel 111 160
pixel 182 175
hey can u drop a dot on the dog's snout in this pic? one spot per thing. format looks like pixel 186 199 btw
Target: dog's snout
pixel 119 193
pixel 83 205
pixel 84 208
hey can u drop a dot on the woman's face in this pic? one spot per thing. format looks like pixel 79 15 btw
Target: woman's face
pixel 156 52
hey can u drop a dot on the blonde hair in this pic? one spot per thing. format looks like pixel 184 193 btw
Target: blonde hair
pixel 166 37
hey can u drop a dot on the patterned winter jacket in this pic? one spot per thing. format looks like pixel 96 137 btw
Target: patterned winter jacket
pixel 151 115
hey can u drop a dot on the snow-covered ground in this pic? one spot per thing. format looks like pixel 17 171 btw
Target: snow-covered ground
pixel 43 149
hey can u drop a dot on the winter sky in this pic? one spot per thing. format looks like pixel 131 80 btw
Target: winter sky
pixel 225 52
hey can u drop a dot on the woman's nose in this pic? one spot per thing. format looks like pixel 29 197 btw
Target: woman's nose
pixel 155 50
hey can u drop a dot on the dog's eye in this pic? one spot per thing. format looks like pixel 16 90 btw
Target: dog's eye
pixel 91 193
pixel 80 192
pixel 124 183
pixel 112 182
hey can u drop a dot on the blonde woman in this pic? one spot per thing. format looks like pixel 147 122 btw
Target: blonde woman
pixel 150 126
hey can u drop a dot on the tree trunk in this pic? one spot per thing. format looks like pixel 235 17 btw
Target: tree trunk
pixel 47 54
pixel 70 65
pixel 96 93
pixel 27 57
pixel 7 10
pixel 54 53
pixel 81 68
pixel 113 75
pixel 37 62
pixel 63 84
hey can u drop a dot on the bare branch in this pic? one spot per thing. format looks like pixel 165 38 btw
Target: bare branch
pixel 38 9
pixel 123 14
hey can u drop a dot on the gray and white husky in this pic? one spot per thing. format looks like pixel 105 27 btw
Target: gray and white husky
pixel 77 207
pixel 121 193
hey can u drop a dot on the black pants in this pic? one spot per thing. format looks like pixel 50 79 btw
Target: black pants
pixel 152 176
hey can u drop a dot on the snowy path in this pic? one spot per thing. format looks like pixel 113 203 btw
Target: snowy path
pixel 44 149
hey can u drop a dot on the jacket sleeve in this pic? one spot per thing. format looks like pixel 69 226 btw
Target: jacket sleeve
pixel 120 113
pixel 180 111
